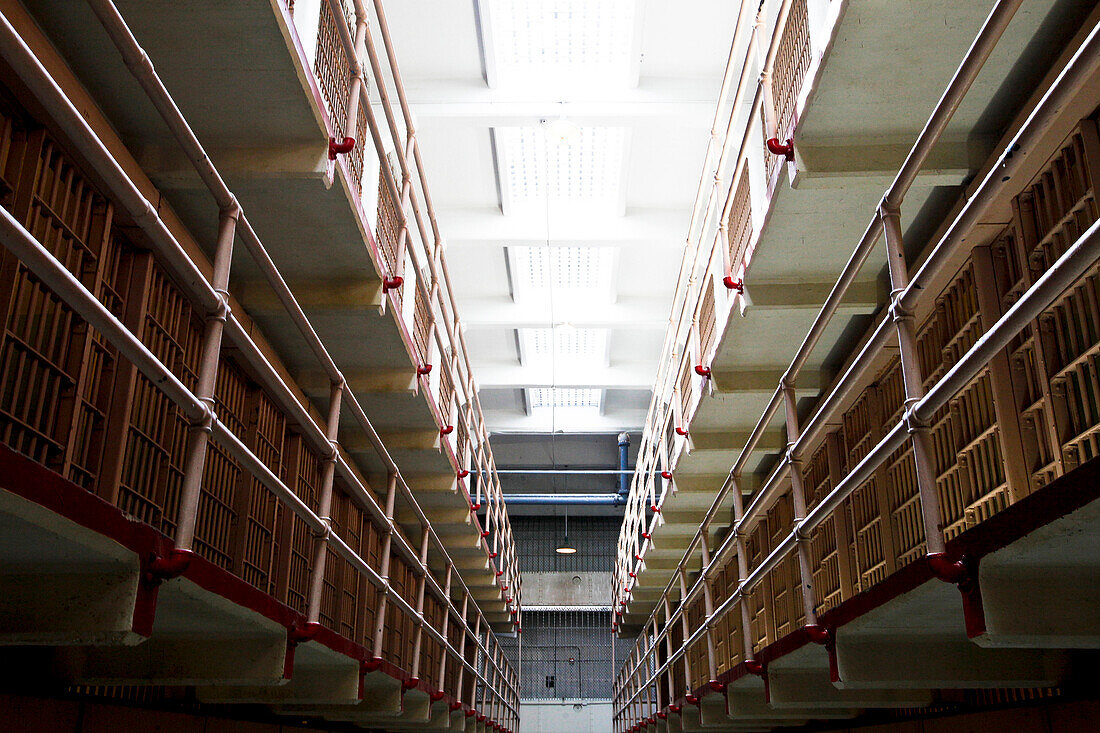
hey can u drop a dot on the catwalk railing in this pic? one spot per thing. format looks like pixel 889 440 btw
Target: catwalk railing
pixel 114 373
pixel 410 253
pixel 759 91
pixel 992 396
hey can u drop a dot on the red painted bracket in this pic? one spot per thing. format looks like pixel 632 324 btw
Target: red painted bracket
pixel 339 148
pixel 302 633
pixel 410 683
pixel 702 371
pixel 371 665
pixel 424 370
pixel 784 149
pixel 717 686
pixel 754 667
pixel 463 473
pixel 666 475
pixel 681 432
pixel 392 283
pixel 818 634
pixel 731 284
pixel 446 429
pixel 159 569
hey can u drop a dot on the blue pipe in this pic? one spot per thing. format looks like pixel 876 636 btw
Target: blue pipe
pixel 566 499
pixel 624 465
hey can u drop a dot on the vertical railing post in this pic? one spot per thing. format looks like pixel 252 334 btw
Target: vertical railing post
pixel 685 630
pixel 421 587
pixel 462 642
pixel 668 650
pixel 798 500
pixel 324 505
pixel 441 677
pixel 708 609
pixel 199 433
pixel 919 432
pixel 384 568
pixel 742 570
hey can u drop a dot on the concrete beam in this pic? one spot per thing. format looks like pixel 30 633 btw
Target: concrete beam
pixel 828 165
pixel 628 311
pixel 350 294
pixel 810 382
pixel 864 295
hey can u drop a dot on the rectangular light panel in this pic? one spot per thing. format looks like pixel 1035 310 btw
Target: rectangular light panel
pixel 537 170
pixel 564 346
pixel 564 274
pixel 554 43
pixel 563 398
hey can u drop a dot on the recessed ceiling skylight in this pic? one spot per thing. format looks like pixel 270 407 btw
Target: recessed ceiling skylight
pixel 553 43
pixel 563 346
pixel 548 274
pixel 563 398
pixel 537 169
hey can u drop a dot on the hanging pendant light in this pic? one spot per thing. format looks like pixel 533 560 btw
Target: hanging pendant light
pixel 565 548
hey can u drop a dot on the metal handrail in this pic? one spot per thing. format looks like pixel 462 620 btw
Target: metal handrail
pixel 198 288
pixel 976 205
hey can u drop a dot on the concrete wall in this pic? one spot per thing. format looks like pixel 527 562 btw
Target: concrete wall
pixel 552 716
pixel 566 589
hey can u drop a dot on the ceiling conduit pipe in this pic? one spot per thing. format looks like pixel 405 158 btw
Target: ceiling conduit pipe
pixel 566 499
pixel 624 463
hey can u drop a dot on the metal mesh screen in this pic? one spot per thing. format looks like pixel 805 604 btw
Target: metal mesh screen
pixel 567 655
pixel 594 537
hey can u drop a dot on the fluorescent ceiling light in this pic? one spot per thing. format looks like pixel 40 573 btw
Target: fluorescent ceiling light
pixel 539 168
pixel 563 398
pixel 561 276
pixel 557 43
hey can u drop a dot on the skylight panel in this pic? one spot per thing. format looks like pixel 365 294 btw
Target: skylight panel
pixel 541 274
pixel 554 43
pixel 563 346
pixel 563 398
pixel 536 171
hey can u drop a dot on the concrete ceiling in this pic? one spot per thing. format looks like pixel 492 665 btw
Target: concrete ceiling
pixel 635 82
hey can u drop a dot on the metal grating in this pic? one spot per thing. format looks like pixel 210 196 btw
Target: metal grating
pixel 567 655
pixel 537 537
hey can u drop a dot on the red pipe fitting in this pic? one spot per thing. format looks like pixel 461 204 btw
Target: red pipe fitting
pixel 519 630
pixel 392 283
pixel 754 667
pixel 471 713
pixel 674 709
pixel 662 715
pixel 666 475
pixel 410 683
pixel 622 603
pixel 784 149
pixel 618 613
pixel 456 705
pixel 717 686
pixel 504 587
pixel 508 600
pixel 372 665
pixel 500 573
pixel 654 508
pixel 946 569
pixel 339 148
pixel 299 634
pixel 626 590
pixel 485 533
pixel 731 284
pixel 691 699
pixel 463 473
pixel 645 535
pixel 475 507
pixel 514 612
pixel 702 371
pixel 446 429
pixel 424 370
pixel 493 555
pixel 482 717
pixel 172 565
pixel 681 432
pixel 817 633
pixel 632 574
pixel 637 557
pixel 436 695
